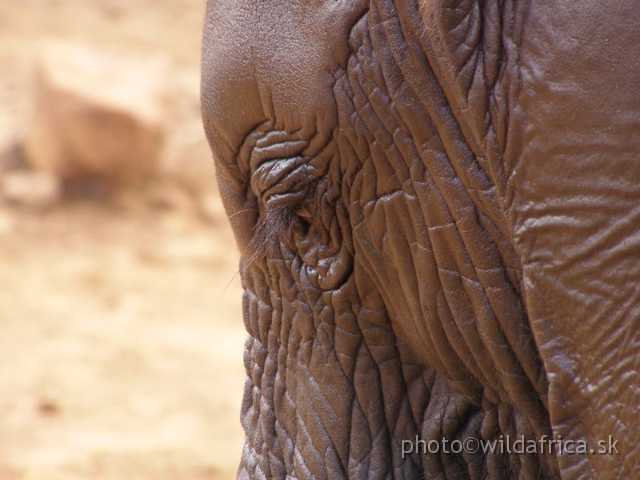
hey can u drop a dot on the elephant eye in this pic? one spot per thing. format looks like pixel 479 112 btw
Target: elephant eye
pixel 303 213
pixel 305 217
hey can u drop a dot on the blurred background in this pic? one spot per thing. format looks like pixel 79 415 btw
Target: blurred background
pixel 120 327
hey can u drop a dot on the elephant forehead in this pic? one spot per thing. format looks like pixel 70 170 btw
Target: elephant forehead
pixel 272 60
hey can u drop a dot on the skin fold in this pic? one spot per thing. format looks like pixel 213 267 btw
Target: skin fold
pixel 437 208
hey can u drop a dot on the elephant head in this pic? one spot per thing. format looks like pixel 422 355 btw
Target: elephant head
pixel 437 208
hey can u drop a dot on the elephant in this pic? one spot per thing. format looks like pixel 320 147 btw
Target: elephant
pixel 436 204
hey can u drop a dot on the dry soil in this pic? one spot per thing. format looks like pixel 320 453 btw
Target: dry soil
pixel 120 328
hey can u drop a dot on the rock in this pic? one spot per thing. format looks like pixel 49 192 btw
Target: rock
pixel 211 209
pixel 6 226
pixel 167 195
pixel 187 158
pixel 98 114
pixel 38 190
pixel 12 157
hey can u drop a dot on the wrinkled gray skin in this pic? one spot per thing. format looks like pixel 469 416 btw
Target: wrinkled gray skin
pixel 438 208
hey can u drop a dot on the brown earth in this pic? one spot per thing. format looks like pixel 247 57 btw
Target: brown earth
pixel 120 327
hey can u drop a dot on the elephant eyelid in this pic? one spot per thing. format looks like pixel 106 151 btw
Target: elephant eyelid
pixel 304 213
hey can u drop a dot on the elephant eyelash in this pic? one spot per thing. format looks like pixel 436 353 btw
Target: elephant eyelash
pixel 272 230
pixel 277 227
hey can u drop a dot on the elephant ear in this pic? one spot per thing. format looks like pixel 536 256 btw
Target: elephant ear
pixel 542 91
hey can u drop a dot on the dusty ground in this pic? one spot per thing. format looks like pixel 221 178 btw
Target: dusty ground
pixel 120 326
